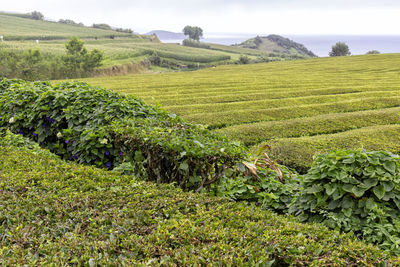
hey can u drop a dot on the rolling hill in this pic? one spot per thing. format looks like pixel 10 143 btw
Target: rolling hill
pixel 277 44
pixel 124 52
pixel 300 108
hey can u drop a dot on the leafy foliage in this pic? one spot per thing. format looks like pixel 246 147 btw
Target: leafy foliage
pixel 99 127
pixel 262 181
pixel 355 191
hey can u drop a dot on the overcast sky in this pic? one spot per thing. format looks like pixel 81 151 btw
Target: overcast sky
pixel 227 16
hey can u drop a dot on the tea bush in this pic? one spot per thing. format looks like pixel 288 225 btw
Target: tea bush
pixel 60 213
pixel 354 191
pixel 99 127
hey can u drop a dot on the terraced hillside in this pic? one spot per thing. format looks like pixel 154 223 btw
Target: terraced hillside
pixel 300 108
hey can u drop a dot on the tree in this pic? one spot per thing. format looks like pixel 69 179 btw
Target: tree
pixel 36 15
pixel 78 61
pixel 193 32
pixel 340 49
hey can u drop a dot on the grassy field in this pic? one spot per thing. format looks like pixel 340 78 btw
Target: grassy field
pixel 12 28
pixel 299 107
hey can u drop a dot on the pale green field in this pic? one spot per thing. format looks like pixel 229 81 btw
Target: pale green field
pixel 14 27
pixel 312 105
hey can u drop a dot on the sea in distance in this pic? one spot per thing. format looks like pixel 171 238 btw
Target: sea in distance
pixel 319 44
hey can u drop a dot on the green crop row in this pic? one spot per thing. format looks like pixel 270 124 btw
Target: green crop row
pixel 300 152
pixel 58 213
pixel 278 103
pixel 255 133
pixel 215 120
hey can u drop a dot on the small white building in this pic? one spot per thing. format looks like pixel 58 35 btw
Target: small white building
pixel 1 38
pixel 37 41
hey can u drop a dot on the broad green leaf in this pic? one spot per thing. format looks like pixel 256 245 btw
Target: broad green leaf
pixel 333 204
pixel 348 188
pixel 370 204
pixel 330 188
pixel 347 212
pixel 388 185
pixel 315 189
pixel 379 191
pixel 349 160
pixel 337 195
pixel 390 166
pixel 347 203
pixel 368 183
pixel 358 191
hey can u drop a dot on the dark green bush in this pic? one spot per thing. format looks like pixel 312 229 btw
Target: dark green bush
pixel 99 127
pixel 61 214
pixel 354 191
pixel 262 181
pixel 193 43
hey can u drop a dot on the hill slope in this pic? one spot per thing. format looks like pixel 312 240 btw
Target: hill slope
pixel 17 28
pixel 299 107
pixel 277 44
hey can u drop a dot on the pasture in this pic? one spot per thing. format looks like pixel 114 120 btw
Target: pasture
pixel 300 108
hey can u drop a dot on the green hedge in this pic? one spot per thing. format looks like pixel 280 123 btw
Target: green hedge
pixel 100 127
pixel 58 213
pixel 226 118
pixel 299 152
pixel 254 133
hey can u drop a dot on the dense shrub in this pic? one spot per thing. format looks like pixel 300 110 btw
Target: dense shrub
pixel 262 181
pixel 99 127
pixel 354 191
pixel 58 213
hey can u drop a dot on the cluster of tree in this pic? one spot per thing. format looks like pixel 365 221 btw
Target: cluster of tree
pixel 34 65
pixel 124 30
pixel 194 32
pixel 70 22
pixel 373 52
pixel 105 26
pixel 36 15
pixel 102 26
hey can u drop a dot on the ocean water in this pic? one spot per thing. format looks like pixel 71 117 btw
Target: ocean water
pixel 321 45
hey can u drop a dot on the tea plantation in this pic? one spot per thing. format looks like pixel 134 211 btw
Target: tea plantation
pixel 58 213
pixel 54 212
pixel 300 108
